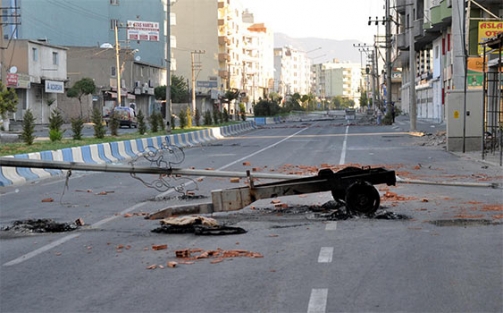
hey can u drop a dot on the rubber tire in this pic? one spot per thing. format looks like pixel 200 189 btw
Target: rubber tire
pixel 362 198
pixel 339 195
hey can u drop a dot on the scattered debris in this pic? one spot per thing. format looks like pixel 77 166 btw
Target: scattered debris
pixel 79 222
pixel 172 264
pixel 198 225
pixel 40 226
pixel 217 255
pixel 159 247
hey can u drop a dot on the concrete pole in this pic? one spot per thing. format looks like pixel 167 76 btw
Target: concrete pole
pixel 412 79
pixel 117 65
pixel 193 109
pixel 167 107
pixel 388 59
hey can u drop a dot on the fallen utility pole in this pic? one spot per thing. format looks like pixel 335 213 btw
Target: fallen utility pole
pixel 131 169
pixel 445 183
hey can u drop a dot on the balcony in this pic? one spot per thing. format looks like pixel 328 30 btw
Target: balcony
pixel 223 40
pixel 223 74
pixel 402 41
pixel 441 16
pixel 223 57
pixel 400 6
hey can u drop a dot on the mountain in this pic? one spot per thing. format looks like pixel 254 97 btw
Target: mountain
pixel 343 50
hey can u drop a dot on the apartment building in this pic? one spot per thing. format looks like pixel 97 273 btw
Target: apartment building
pixel 437 39
pixel 292 72
pixel 339 79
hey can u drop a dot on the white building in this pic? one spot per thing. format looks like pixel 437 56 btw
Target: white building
pixel 292 72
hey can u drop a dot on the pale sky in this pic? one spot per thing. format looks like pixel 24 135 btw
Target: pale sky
pixel 330 19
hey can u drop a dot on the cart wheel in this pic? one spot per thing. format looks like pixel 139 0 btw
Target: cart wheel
pixel 362 197
pixel 339 195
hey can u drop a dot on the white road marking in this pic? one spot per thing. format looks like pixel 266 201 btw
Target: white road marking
pixel 134 207
pixel 61 241
pixel 326 254
pixel 343 152
pixel 318 301
pixel 164 194
pixel 331 226
pixel 40 250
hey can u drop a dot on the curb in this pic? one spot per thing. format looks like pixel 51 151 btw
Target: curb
pixel 110 152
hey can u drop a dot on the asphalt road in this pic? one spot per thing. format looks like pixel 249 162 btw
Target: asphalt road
pixel 446 257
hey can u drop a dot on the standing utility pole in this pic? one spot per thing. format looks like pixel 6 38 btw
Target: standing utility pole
pixel 388 59
pixel 167 107
pixel 117 64
pixel 412 79
pixel 194 68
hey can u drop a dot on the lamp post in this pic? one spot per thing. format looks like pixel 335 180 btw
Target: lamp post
pixel 167 107
pixel 117 65
pixel 194 67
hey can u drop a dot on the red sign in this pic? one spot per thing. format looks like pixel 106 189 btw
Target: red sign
pixel 11 80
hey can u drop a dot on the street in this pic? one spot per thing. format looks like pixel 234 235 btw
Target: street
pixel 439 250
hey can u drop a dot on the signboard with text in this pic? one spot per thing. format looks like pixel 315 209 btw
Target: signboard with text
pixel 487 30
pixel 54 86
pixel 140 30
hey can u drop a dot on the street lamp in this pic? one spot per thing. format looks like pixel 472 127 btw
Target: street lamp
pixel 192 54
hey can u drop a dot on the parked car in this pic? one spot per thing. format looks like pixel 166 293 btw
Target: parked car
pixel 127 116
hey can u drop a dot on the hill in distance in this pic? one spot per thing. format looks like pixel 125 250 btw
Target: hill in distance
pixel 342 50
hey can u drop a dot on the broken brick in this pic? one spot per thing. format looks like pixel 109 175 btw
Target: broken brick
pixel 235 180
pixel 48 200
pixel 79 222
pixel 159 247
pixel 182 253
pixel 246 163
pixel 151 267
pixel 172 264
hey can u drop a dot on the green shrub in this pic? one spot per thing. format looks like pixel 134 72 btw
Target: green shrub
pixel 153 122
pixel 55 123
pixel 197 117
pixel 160 122
pixel 207 118
pixel 99 128
pixel 173 121
pixel 55 135
pixel 183 118
pixel 142 126
pixel 225 115
pixel 215 117
pixel 77 126
pixel 188 115
pixel 114 123
pixel 28 128
pixel 242 111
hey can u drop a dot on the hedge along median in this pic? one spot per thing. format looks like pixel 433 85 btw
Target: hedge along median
pixel 110 152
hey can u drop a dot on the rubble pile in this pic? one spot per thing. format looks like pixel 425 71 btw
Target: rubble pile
pixel 42 226
pixel 198 225
pixel 437 139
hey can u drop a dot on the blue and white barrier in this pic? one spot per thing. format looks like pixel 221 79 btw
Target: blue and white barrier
pixel 110 152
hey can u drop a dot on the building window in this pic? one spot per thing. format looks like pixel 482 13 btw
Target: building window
pixel 114 2
pixel 34 54
pixel 55 58
pixel 113 71
pixel 113 22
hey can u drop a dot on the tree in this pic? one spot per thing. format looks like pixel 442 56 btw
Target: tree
pixel 28 128
pixel 364 100
pixel 179 90
pixel 55 123
pixel 8 100
pixel 99 128
pixel 81 88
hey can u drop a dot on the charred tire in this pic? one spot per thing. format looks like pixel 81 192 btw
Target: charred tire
pixel 362 197
pixel 339 195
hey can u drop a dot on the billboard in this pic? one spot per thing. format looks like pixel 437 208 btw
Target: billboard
pixel 487 30
pixel 140 30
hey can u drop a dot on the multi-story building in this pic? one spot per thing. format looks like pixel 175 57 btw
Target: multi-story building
pixel 213 44
pixel 234 52
pixel 444 37
pixel 292 72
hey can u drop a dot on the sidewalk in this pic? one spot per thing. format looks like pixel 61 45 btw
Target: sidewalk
pixel 402 122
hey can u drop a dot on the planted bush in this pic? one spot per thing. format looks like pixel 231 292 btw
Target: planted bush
pixel 142 126
pixel 28 128
pixel 99 128
pixel 77 126
pixel 55 123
